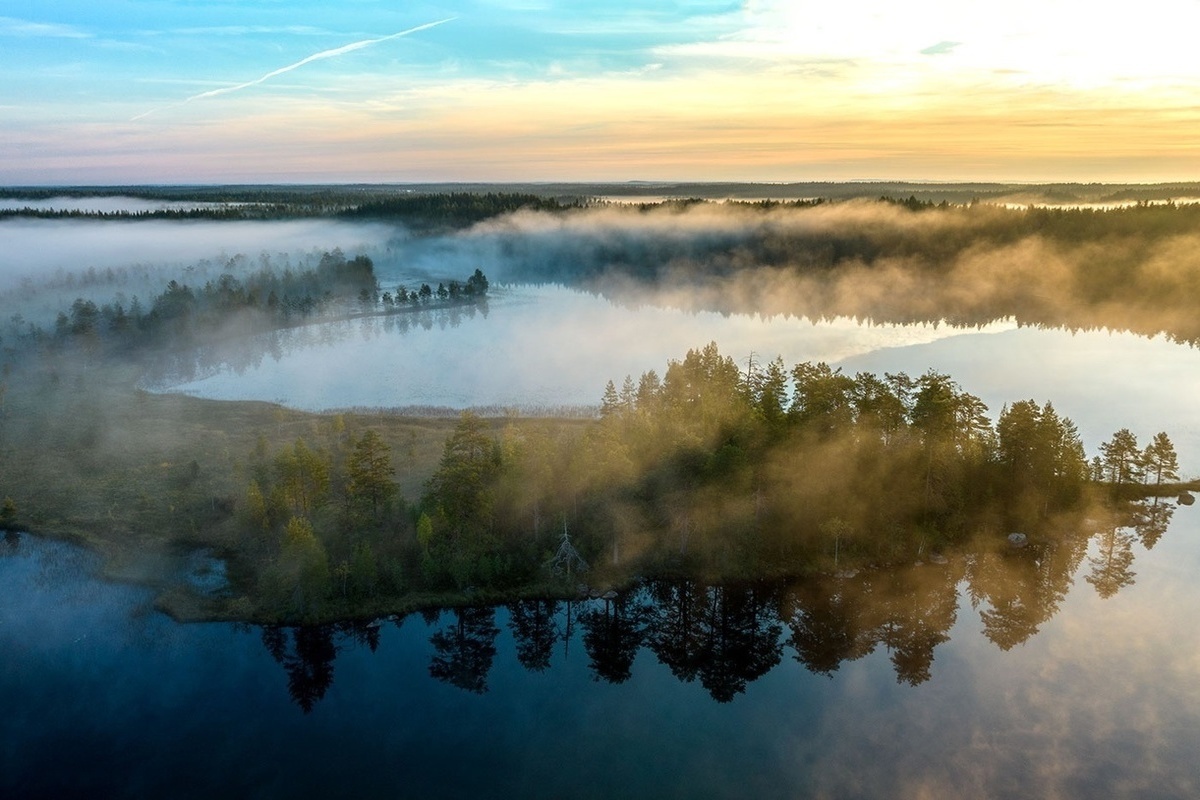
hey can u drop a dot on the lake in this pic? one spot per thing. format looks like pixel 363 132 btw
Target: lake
pixel 892 684
pixel 1066 669
pixel 549 348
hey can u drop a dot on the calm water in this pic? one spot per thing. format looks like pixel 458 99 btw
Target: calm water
pixel 884 685
pixel 1068 671
pixel 550 347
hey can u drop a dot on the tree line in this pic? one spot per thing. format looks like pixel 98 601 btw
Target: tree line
pixel 726 636
pixel 265 299
pixel 417 209
pixel 709 471
pixel 715 468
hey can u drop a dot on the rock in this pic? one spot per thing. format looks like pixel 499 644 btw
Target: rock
pixel 1186 498
pixel 1017 540
pixel 937 558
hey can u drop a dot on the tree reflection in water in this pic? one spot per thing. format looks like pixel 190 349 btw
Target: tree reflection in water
pixel 463 652
pixel 726 637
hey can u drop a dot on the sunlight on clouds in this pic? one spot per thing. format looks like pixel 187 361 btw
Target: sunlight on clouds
pixel 707 125
pixel 770 90
pixel 1039 42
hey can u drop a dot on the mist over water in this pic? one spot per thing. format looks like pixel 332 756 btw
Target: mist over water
pixel 1039 683
pixel 554 348
pixel 536 346
pixel 1103 687
pixel 39 250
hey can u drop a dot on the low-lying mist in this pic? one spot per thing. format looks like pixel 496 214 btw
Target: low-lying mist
pixel 1135 268
pixel 47 264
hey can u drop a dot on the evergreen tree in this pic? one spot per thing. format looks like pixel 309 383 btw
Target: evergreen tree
pixel 1160 459
pixel 610 404
pixel 369 472
pixel 1121 456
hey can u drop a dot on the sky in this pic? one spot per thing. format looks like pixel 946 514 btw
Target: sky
pixel 191 91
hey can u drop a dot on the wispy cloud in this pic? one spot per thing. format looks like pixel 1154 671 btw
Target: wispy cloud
pixel 241 30
pixel 322 55
pixel 940 49
pixel 24 28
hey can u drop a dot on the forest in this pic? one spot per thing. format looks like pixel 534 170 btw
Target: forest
pixel 267 299
pixel 711 472
pixel 884 258
pixel 708 471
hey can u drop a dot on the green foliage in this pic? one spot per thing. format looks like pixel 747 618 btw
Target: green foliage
pixel 255 508
pixel 1121 458
pixel 300 580
pixel 461 489
pixel 425 532
pixel 303 476
pixel 1160 461
pixel 8 514
pixel 364 571
pixel 369 472
pixel 453 208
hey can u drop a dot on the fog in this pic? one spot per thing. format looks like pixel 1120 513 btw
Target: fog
pixel 46 264
pixel 860 259
pixel 537 347
pixel 1025 708
pixel 670 278
pixel 1103 689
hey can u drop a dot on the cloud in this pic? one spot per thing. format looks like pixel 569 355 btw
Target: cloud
pixel 322 55
pixel 34 30
pixel 243 30
pixel 940 49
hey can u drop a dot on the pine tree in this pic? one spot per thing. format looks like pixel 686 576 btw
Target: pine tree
pixel 1121 456
pixel 370 473
pixel 1160 459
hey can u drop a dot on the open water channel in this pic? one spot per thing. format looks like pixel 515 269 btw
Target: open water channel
pixel 1063 672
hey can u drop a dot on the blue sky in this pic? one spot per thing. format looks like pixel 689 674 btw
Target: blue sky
pixel 98 92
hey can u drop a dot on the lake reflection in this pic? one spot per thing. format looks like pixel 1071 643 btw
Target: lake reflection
pixel 1066 668
pixel 551 349
pixel 727 636
pixel 533 347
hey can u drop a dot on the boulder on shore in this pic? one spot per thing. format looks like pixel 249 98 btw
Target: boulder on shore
pixel 1017 540
pixel 1186 498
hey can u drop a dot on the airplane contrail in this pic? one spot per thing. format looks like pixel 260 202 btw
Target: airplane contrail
pixel 337 51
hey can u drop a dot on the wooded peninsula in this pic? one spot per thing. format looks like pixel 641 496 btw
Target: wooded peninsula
pixel 718 469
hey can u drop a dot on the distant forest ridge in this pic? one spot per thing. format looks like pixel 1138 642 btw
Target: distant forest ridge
pixel 334 198
pixel 1100 256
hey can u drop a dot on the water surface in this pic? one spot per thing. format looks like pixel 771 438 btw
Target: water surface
pixel 655 694
pixel 548 347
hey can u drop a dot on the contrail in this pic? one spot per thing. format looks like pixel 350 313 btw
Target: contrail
pixel 337 51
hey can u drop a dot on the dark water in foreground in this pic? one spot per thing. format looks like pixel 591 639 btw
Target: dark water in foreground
pixel 1066 670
